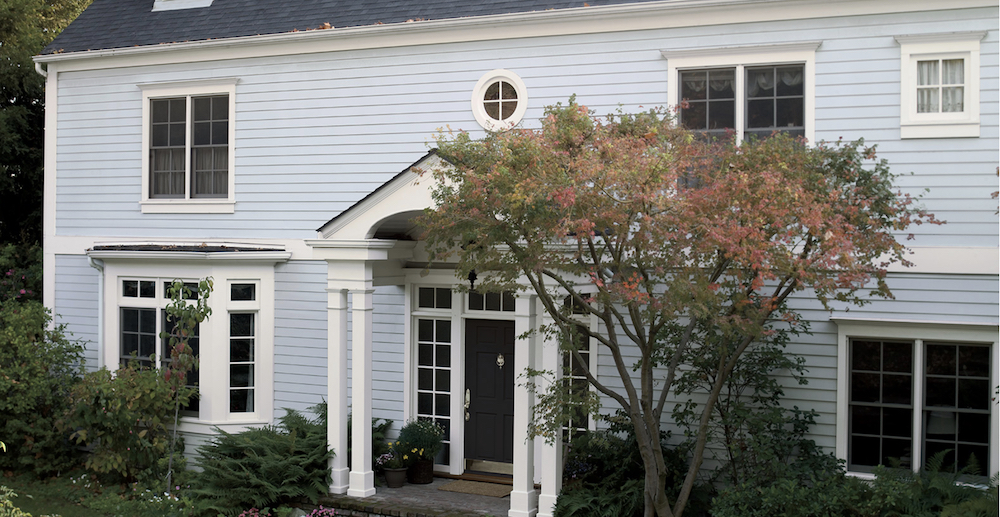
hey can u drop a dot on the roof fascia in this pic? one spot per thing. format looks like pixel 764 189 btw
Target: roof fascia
pixel 583 20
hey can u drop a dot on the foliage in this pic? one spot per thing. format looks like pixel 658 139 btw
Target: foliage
pixel 185 318
pixel 420 440
pixel 604 471
pixel 392 459
pixel 826 496
pixel 932 491
pixel 7 508
pixel 761 440
pixel 123 418
pixel 25 27
pixel 39 366
pixel 649 229
pixel 21 269
pixel 265 466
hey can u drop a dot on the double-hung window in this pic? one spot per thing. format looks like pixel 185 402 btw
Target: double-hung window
pixel 909 394
pixel 754 90
pixel 939 85
pixel 188 147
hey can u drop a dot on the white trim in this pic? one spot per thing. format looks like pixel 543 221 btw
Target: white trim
pixel 214 378
pixel 51 160
pixel 739 57
pixel 583 20
pixel 953 45
pixel 187 90
pixel 916 331
pixel 479 108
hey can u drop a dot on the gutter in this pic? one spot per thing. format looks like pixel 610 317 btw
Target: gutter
pixel 98 264
pixel 41 71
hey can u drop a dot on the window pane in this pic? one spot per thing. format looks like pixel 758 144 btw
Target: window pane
pixel 760 113
pixel 865 355
pixel 425 379
pixel 865 387
pixel 492 92
pixel 693 85
pixel 147 321
pixel 865 420
pixel 790 81
pixel 425 355
pixel 202 133
pixel 240 375
pixel 927 100
pixel 241 324
pixel 492 110
pixel 147 289
pixel 896 449
pixel 175 135
pixel 220 133
pixel 443 331
pixel 897 422
pixel 979 454
pixel 425 330
pixel 941 359
pixel 953 71
pixel 160 110
pixel 721 85
pixel 865 450
pixel 940 425
pixel 442 380
pixel 130 344
pixel 177 110
pixel 425 297
pixel 441 404
pixel 507 301
pixel 927 73
pixel 443 356
pixel 973 394
pixel 476 301
pixel 953 99
pixel 896 389
pixel 202 108
pixel 507 91
pixel 897 357
pixel 760 83
pixel 695 115
pixel 789 113
pixel 425 403
pixel 220 107
pixel 493 301
pixel 974 427
pixel 130 288
pixel 722 115
pixel 241 350
pixel 241 401
pixel 974 361
pixel 243 292
pixel 940 392
pixel 443 298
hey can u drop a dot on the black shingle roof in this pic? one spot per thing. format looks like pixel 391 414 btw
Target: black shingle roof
pixel 110 24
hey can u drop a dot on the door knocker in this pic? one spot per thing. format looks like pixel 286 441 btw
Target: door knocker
pixel 500 361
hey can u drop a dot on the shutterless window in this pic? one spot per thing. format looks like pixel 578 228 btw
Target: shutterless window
pixel 494 302
pixel 434 376
pixel 434 298
pixel 189 147
pixel 956 415
pixel 771 98
pixel 941 86
pixel 881 404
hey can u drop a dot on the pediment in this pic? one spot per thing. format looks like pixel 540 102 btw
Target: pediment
pixel 388 212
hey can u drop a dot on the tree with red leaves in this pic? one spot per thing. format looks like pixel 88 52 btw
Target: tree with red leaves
pixel 674 242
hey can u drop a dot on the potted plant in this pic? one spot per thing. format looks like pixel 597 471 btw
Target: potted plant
pixel 421 441
pixel 393 463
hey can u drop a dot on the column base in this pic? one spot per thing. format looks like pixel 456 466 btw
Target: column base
pixel 362 484
pixel 341 481
pixel 546 505
pixel 523 504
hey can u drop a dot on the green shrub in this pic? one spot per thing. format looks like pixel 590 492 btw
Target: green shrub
pixel 124 418
pixel 832 495
pixel 932 491
pixel 7 508
pixel 38 368
pixel 266 466
pixel 420 439
pixel 20 272
pixel 380 427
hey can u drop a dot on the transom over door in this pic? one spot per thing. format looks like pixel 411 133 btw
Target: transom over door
pixel 489 382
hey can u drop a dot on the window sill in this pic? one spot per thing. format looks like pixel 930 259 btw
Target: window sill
pixel 939 130
pixel 188 206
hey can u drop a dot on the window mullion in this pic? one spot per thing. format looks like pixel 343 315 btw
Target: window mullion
pixel 917 449
pixel 741 101
pixel 188 134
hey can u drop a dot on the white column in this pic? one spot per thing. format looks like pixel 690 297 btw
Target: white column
pixel 336 388
pixel 523 498
pixel 362 476
pixel 552 454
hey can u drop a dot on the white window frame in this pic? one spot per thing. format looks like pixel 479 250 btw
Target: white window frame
pixel 741 57
pixel 213 333
pixel 187 204
pixel 918 333
pixel 929 47
pixel 244 307
pixel 479 109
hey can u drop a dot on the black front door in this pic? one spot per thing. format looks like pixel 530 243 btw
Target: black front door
pixel 489 379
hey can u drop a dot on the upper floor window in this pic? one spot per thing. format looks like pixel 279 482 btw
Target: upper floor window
pixel 188 147
pixel 770 99
pixel 939 85
pixel 753 90
pixel 499 100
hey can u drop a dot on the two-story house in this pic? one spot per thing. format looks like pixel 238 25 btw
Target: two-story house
pixel 269 145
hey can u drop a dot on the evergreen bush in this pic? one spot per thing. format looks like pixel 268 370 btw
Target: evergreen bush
pixel 266 466
pixel 39 366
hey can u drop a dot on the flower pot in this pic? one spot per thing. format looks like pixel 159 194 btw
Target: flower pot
pixel 421 472
pixel 395 478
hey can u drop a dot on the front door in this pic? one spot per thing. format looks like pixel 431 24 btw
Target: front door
pixel 489 382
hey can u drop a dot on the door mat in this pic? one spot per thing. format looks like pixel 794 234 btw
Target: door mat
pixel 475 487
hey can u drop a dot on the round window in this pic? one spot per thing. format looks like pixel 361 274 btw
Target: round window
pixel 499 100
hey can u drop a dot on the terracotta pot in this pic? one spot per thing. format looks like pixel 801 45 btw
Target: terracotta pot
pixel 395 478
pixel 421 472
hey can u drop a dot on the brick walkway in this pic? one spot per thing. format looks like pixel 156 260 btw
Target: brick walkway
pixel 422 500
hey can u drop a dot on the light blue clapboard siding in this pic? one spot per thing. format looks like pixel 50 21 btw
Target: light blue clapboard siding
pixel 918 298
pixel 76 303
pixel 317 132
pixel 299 335
pixel 388 342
